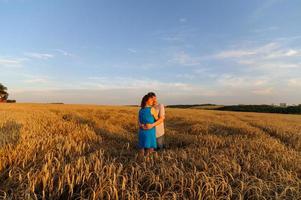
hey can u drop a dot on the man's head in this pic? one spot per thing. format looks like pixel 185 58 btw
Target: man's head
pixel 154 97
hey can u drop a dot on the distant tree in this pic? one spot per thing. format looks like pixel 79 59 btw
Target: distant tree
pixel 2 88
pixel 3 92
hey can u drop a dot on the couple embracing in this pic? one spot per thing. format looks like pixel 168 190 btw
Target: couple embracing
pixel 151 125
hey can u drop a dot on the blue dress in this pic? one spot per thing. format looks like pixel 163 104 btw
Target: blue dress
pixel 147 138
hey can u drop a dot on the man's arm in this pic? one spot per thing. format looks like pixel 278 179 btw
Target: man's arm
pixel 149 126
pixel 161 116
pixel 159 119
pixel 154 113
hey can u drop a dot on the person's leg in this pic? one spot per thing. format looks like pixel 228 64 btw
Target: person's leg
pixel 160 142
pixel 141 153
pixel 149 151
pixel 141 144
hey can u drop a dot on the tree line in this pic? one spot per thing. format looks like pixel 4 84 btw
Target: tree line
pixel 4 94
pixel 263 109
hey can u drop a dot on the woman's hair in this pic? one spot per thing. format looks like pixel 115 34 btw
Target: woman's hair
pixel 144 100
pixel 151 94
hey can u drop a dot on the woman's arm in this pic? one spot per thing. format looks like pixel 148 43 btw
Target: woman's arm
pixel 158 120
pixel 140 125
pixel 149 126
pixel 143 126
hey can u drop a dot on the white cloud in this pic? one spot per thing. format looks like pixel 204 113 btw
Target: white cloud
pixel 182 58
pixel 182 20
pixel 97 78
pixel 172 38
pixel 130 83
pixel 232 81
pixel 234 54
pixel 185 76
pixel 239 81
pixel 294 82
pixel 273 65
pixel 283 53
pixel 267 29
pixel 261 10
pixel 263 91
pixel 229 89
pixel 36 80
pixel 178 35
pixel 127 83
pixel 39 55
pixel 269 65
pixel 266 50
pixel 11 62
pixel 260 82
pixel 269 56
pixel 132 50
pixel 292 52
pixel 63 52
pixel 289 38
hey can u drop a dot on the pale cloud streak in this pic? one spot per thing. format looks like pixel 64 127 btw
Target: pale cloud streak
pixel 267 29
pixel 183 20
pixel 294 82
pixel 264 6
pixel 35 55
pixel 239 81
pixel 269 56
pixel 131 50
pixel 234 53
pixel 9 62
pixel 261 68
pixel 63 52
pixel 36 80
pixel 130 83
pixel 12 62
pixel 146 84
pixel 183 58
pixel 248 52
pixel 263 91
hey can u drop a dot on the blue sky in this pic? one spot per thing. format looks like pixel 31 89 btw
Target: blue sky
pixel 113 52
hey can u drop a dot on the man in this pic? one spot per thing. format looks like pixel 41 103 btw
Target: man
pixel 160 127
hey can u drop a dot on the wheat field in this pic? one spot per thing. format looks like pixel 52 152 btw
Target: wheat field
pixel 89 152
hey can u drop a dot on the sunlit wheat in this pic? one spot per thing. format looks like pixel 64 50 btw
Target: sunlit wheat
pixel 89 152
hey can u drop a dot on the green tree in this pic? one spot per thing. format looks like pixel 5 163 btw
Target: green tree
pixel 2 88
pixel 3 92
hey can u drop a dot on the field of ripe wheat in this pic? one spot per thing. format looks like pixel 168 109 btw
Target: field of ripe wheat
pixel 89 152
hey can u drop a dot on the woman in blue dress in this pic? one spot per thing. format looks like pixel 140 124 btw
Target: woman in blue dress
pixel 147 116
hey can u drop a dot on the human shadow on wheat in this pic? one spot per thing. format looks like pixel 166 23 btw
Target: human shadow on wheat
pixel 118 146
pixel 9 133
pixel 123 146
